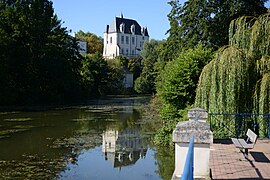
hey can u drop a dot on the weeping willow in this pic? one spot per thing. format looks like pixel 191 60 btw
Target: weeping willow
pixel 237 80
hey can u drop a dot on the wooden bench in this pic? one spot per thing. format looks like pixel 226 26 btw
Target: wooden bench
pixel 246 145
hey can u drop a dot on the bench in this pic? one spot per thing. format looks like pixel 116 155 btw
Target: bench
pixel 245 145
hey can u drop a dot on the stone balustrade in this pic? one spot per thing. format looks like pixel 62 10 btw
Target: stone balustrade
pixel 203 138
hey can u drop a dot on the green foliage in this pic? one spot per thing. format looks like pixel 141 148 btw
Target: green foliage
pixel 165 161
pixel 237 79
pixel 177 87
pixel 115 83
pixel 228 87
pixel 205 22
pixel 179 77
pixel 164 135
pixel 150 54
pixel 122 60
pixel 94 43
pixel 240 32
pixel 173 43
pixel 134 66
pixel 40 62
pixel 98 77
pixel 124 64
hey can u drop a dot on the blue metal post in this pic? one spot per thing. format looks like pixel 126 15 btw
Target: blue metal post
pixel 210 122
pixel 269 126
pixel 189 165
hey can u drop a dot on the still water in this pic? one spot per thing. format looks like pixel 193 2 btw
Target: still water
pixel 106 139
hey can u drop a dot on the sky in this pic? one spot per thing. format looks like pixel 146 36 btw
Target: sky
pixel 93 15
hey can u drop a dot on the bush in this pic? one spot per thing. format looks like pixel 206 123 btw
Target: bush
pixel 176 89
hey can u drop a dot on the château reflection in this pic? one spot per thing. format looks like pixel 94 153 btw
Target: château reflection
pixel 123 148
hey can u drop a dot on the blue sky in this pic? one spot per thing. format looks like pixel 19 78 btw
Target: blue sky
pixel 94 15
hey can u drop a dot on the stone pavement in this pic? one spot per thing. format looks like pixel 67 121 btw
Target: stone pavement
pixel 227 162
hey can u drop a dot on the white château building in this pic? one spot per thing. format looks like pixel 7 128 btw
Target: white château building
pixel 124 37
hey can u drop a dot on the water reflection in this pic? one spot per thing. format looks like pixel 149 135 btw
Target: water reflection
pixel 106 140
pixel 123 148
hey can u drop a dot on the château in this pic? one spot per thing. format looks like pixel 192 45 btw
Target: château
pixel 124 37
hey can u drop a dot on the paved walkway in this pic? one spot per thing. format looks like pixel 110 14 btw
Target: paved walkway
pixel 226 162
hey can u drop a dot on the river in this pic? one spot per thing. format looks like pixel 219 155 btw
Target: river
pixel 103 139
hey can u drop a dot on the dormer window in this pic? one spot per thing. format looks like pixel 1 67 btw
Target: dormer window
pixel 122 27
pixel 143 31
pixel 132 29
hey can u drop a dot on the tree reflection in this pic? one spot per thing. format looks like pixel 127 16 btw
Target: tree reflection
pixel 165 161
pixel 57 138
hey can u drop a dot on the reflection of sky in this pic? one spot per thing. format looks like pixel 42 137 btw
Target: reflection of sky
pixel 92 165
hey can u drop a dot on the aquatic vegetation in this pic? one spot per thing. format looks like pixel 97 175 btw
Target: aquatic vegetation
pixel 84 119
pixel 32 166
pixel 87 141
pixel 8 132
pixel 54 145
pixel 18 119
pixel 4 113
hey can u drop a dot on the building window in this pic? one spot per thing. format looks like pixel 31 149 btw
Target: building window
pixel 127 51
pixel 133 52
pixel 122 27
pixel 122 50
pixel 127 40
pixel 132 29
pixel 122 39
pixel 111 40
pixel 133 40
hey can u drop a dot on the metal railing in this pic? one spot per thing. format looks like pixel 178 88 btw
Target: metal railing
pixel 227 125
pixel 189 164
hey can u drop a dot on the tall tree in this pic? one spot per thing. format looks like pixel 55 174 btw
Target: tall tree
pixel 237 80
pixel 40 61
pixel 94 43
pixel 206 21
pixel 176 88
pixel 97 75
pixel 150 54
pixel 177 85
